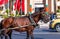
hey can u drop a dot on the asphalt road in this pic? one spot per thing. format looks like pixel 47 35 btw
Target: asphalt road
pixel 38 34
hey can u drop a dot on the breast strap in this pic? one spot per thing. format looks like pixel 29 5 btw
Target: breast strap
pixel 32 21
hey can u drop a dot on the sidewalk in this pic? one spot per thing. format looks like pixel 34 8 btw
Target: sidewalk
pixel 43 25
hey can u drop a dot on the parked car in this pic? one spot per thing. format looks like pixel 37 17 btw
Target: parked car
pixel 55 25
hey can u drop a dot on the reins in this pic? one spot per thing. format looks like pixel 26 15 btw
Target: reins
pixel 15 27
pixel 32 21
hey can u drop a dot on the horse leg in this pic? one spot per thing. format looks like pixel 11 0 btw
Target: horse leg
pixel 27 35
pixel 6 33
pixel 31 34
pixel 6 36
pixel 10 33
pixel 1 36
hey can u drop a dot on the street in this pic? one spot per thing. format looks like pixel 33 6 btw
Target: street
pixel 28 13
pixel 38 34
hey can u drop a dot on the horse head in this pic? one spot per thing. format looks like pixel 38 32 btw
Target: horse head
pixel 41 16
pixel 45 17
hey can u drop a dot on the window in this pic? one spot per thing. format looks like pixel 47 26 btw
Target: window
pixel 1 8
pixel 58 7
pixel 58 0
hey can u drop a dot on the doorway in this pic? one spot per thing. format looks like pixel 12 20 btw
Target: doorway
pixel 37 9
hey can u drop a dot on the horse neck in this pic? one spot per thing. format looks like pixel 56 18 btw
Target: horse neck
pixel 36 18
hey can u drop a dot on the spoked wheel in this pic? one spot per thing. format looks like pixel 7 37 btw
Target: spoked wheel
pixel 57 27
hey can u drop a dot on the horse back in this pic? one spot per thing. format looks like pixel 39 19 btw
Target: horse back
pixel 21 21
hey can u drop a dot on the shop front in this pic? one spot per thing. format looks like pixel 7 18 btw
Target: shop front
pixel 39 7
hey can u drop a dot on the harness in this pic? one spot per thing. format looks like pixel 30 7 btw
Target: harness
pixel 32 21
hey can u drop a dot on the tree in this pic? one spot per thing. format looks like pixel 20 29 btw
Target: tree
pixel 11 5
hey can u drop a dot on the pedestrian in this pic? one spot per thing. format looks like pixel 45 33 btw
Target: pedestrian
pixel 52 16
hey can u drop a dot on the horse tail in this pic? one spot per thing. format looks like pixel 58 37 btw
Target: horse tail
pixel 1 24
pixel 1 29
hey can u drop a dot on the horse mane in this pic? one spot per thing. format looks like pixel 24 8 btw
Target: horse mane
pixel 35 14
pixel 32 15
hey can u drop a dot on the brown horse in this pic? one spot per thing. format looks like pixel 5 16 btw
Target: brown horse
pixel 21 22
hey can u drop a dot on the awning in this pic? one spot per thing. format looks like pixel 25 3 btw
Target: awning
pixel 38 5
pixel 19 5
pixel 3 2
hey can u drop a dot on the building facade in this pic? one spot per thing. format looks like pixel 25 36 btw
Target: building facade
pixel 57 4
pixel 40 4
pixel 50 6
pixel 58 8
